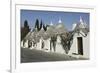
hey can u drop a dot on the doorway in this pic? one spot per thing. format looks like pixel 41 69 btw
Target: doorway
pixel 80 45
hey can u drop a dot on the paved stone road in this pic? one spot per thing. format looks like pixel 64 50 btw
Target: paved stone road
pixel 41 56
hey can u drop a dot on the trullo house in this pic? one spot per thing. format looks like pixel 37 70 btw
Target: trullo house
pixel 80 45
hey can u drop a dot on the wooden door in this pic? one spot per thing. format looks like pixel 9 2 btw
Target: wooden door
pixel 80 45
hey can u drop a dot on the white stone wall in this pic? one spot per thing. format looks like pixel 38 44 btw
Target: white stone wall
pixel 26 44
pixel 39 44
pixel 73 48
pixel 86 46
pixel 47 45
pixel 59 47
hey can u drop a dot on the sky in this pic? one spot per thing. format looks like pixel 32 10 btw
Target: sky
pixel 67 18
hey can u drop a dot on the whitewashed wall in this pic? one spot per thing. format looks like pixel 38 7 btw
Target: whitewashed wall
pixel 59 48
pixel 86 46
pixel 47 45
pixel 73 48
pixel 38 45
